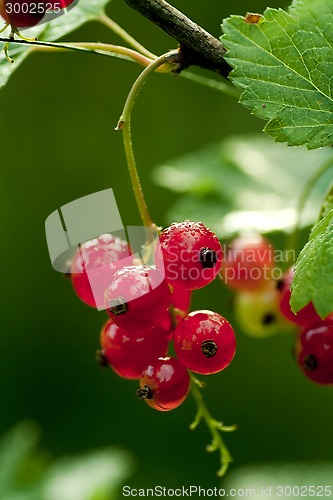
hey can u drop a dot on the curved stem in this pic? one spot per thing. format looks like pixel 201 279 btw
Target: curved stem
pixel 16 32
pixel 124 124
pixel 213 425
pixel 5 50
pixel 89 47
pixel 291 242
pixel 118 30
pixel 4 27
pixel 102 49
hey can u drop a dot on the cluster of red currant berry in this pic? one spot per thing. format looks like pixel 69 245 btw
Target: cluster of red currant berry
pixel 249 270
pixel 148 309
pixel 263 305
pixel 314 345
pixel 28 13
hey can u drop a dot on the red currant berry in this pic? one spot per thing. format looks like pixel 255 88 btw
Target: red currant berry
pixel 129 356
pixel 315 352
pixel 205 342
pixel 96 262
pixel 22 13
pixel 258 313
pixel 305 316
pixel 164 384
pixel 248 262
pixel 137 298
pixel 192 254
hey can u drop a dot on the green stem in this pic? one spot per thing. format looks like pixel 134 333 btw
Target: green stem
pixel 4 28
pixel 89 47
pixel 102 48
pixel 213 425
pixel 174 312
pixel 212 83
pixel 5 50
pixel 16 32
pixel 124 124
pixel 118 30
pixel 291 243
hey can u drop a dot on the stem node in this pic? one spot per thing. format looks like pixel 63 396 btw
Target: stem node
pixel 119 126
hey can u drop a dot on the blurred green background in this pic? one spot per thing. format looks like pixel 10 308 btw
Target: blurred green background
pixel 58 114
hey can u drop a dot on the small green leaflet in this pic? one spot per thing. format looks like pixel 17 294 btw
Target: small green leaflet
pixel 313 280
pixel 84 11
pixel 284 66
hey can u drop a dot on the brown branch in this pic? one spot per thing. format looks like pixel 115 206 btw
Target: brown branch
pixel 197 46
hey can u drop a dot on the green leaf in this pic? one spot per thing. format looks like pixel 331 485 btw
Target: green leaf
pixel 15 447
pixel 244 183
pixel 84 11
pixel 283 64
pixel 282 480
pixel 25 473
pixel 313 279
pixel 95 476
